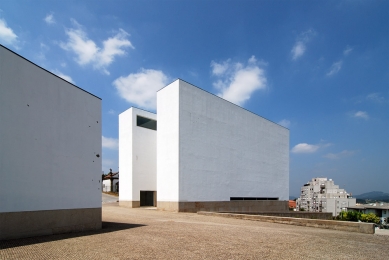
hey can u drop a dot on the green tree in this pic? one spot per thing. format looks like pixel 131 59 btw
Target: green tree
pixel 353 216
pixel 358 216
pixel 370 218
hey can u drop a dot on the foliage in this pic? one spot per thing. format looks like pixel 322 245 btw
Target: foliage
pixel 301 209
pixel 358 216
pixel 349 216
pixel 370 218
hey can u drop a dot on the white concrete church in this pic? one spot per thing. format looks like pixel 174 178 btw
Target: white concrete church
pixel 202 152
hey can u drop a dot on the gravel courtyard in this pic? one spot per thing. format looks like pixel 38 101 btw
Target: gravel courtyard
pixel 150 234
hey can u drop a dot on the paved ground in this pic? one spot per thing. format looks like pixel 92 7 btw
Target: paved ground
pixel 151 234
pixel 106 198
pixel 382 231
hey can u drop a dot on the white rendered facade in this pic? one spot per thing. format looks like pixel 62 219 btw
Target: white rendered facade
pixel 211 150
pixel 50 151
pixel 137 157
pixel 208 150
pixel 111 182
pixel 107 185
pixel 322 195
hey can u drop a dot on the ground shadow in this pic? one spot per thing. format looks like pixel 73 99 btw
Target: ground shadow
pixel 106 228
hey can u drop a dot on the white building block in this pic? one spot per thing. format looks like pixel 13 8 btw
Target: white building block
pixel 50 149
pixel 137 157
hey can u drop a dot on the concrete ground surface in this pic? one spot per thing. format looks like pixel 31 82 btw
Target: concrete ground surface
pixel 151 234
pixel 107 198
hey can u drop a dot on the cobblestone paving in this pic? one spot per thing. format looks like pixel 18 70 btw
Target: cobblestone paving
pixel 151 234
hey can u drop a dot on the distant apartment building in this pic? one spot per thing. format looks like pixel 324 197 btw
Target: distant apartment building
pixel 322 195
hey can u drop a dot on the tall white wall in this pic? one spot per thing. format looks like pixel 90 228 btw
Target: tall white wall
pixel 50 140
pixel 227 151
pixel 168 143
pixel 125 155
pixel 137 155
pixel 223 150
pixel 144 156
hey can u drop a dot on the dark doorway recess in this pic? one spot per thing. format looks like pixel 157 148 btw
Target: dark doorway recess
pixel 146 198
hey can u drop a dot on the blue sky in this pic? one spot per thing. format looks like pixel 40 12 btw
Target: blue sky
pixel 320 68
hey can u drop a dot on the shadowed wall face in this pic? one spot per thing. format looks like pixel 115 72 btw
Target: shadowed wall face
pixel 50 145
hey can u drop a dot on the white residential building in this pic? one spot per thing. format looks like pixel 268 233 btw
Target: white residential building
pixel 206 153
pixel 111 182
pixel 50 152
pixel 322 195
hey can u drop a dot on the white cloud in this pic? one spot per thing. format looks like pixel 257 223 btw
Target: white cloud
pixel 237 82
pixel 141 88
pixel 65 77
pixel 85 49
pixel 220 68
pixel 305 148
pixel 361 114
pixel 375 97
pixel 335 68
pixel 347 50
pixel 298 50
pixel 111 112
pixel 299 47
pixel 110 143
pixel 7 36
pixel 49 19
pixel 344 153
pixel 285 123
pixel 87 52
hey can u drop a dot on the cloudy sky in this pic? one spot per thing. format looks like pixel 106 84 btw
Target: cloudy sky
pixel 319 68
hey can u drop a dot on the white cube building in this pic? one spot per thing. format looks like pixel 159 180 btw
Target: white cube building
pixel 210 155
pixel 50 152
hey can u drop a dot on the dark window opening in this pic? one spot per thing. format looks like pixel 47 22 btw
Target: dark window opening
pixel 146 198
pixel 252 198
pixel 146 123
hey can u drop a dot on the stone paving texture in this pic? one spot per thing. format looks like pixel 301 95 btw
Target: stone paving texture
pixel 150 234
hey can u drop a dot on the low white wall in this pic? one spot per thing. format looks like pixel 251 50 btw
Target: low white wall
pixel 50 145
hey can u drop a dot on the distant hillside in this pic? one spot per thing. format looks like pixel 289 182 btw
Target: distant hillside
pixel 372 197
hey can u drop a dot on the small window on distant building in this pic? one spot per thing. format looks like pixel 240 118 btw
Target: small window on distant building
pixel 146 122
